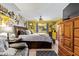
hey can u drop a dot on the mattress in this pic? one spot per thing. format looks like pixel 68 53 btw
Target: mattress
pixel 41 37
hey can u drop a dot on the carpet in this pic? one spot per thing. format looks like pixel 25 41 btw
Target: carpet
pixel 46 53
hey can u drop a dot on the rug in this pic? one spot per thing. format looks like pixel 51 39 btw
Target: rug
pixel 46 53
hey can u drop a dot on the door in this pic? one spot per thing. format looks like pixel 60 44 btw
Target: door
pixel 68 35
pixel 76 36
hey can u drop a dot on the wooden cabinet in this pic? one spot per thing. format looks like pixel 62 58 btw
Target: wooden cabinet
pixel 76 36
pixel 64 52
pixel 76 33
pixel 70 37
pixel 76 50
pixel 76 41
pixel 67 39
pixel 76 22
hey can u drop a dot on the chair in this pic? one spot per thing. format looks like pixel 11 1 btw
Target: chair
pixel 5 50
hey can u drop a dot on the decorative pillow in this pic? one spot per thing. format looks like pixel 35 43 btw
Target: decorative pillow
pixel 18 45
pixel 11 36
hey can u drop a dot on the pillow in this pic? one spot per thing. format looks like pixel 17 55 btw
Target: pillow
pixel 6 44
pixel 10 52
pixel 2 47
pixel 18 45
pixel 11 36
pixel 15 40
pixel 28 32
pixel 3 36
pixel 23 32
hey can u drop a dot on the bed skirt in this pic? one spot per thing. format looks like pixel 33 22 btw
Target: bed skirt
pixel 39 45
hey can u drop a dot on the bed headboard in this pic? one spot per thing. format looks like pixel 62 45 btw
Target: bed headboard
pixel 17 28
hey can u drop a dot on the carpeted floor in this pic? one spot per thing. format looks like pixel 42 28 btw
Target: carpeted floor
pixel 46 53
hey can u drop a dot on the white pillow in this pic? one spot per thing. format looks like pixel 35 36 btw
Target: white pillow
pixel 6 44
pixel 18 45
pixel 28 32
pixel 2 48
pixel 11 36
pixel 10 52
pixel 3 36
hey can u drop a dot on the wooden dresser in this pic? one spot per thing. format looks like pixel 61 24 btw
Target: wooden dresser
pixel 69 38
pixel 76 36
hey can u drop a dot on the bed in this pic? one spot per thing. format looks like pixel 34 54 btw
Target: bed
pixel 37 40
pixel 34 40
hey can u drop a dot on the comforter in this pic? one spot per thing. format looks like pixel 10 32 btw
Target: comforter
pixel 42 37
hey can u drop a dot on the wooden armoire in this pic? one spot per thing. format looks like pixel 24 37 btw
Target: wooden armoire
pixel 68 37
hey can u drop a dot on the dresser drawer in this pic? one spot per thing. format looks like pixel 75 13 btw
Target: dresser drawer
pixel 76 22
pixel 76 50
pixel 76 33
pixel 76 41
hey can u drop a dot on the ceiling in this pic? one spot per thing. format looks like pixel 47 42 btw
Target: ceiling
pixel 35 10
